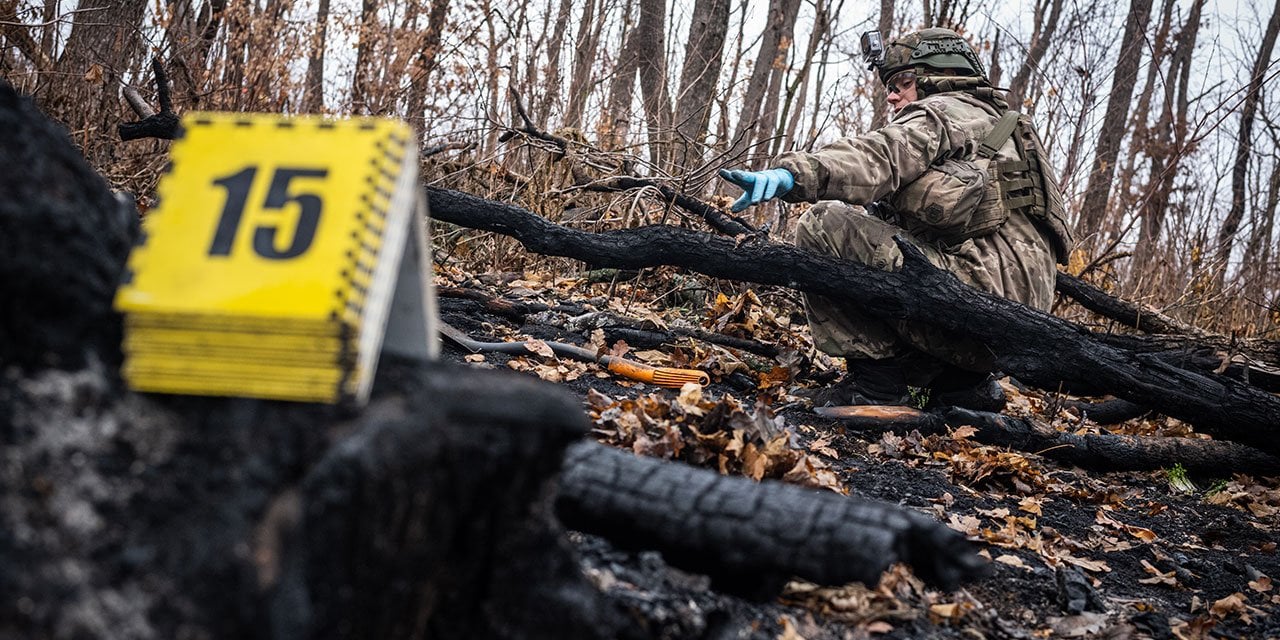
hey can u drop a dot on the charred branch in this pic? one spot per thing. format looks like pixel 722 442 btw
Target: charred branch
pixel 164 124
pixel 751 537
pixel 1036 347
pixel 1099 452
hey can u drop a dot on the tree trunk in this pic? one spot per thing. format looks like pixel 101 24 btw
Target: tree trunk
pixel 361 80
pixel 798 88
pixel 424 62
pixel 1244 145
pixel 1167 148
pixel 650 50
pixel 585 47
pixel 1097 195
pixel 551 92
pixel 83 93
pixel 703 55
pixel 751 123
pixel 880 97
pixel 614 126
pixel 313 92
pixel 1042 33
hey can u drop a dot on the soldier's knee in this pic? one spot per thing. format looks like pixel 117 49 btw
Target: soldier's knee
pixel 823 225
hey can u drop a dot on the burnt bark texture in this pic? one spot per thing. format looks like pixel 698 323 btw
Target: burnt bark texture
pixel 1038 348
pixel 64 239
pixel 751 538
pixel 1098 452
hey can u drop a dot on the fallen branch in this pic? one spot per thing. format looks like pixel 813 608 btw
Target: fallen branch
pixel 751 537
pixel 1036 347
pixel 164 124
pixel 1101 452
pixel 1127 313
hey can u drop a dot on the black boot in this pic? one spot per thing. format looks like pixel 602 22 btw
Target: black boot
pixel 971 390
pixel 867 382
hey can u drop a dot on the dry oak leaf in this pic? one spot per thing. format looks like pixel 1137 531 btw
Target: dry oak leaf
pixel 1234 603
pixel 539 347
pixel 1261 585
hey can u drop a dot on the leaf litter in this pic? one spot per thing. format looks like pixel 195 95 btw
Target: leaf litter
pixel 1166 564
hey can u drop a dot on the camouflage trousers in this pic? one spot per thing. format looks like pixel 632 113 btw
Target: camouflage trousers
pixel 1015 262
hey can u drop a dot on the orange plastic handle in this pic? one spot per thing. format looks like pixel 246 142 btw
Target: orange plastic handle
pixel 661 376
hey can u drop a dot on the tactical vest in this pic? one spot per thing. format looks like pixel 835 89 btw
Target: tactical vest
pixel 960 198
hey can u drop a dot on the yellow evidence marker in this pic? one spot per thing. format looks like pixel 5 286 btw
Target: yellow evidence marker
pixel 284 255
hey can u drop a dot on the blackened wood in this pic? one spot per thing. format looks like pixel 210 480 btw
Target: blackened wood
pixel 1112 411
pixel 1099 452
pixel 433 520
pixel 748 534
pixel 1122 311
pixel 1036 347
pixel 63 242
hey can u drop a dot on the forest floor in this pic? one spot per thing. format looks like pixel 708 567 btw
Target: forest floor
pixel 1073 553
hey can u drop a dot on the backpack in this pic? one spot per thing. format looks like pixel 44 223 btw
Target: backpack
pixel 952 201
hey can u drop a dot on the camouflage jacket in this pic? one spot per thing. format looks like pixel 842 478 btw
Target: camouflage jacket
pixel 873 166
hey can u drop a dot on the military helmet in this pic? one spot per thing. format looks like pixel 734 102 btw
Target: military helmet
pixel 933 49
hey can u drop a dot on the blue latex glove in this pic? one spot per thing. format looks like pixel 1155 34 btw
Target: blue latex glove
pixel 758 186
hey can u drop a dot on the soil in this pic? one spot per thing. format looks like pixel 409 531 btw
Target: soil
pixel 1080 554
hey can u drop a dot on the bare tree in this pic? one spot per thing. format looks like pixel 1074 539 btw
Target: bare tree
pixel 880 98
pixel 613 126
pixel 1097 194
pixel 1244 141
pixel 424 61
pixel 650 49
pixel 361 85
pixel 1041 35
pixel 703 56
pixel 1168 144
pixel 752 123
pixel 551 72
pixel 586 46
pixel 313 92
pixel 797 88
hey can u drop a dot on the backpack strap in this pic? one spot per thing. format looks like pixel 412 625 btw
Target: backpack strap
pixel 996 139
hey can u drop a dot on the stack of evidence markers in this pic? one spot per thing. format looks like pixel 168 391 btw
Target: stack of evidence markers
pixel 268 267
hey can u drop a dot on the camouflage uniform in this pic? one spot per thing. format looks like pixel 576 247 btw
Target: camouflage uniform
pixel 1016 261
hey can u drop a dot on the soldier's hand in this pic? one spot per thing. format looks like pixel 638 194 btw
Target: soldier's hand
pixel 758 186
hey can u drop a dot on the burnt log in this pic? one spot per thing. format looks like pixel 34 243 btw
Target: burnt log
pixel 1098 452
pixel 64 238
pixel 1037 347
pixel 751 538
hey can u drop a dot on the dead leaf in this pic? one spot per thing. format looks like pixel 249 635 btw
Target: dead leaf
pixel 879 626
pixel 474 357
pixel 1031 504
pixel 1158 577
pixel 539 347
pixel 1261 585
pixel 965 524
pixel 788 630
pixel 690 398
pixel 1079 626
pixel 1234 603
pixel 946 610
pixel 1012 560
pixel 964 432
pixel 94 74
pixel 1085 563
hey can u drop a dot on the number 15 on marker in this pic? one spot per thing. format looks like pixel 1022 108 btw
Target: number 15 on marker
pixel 279 232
